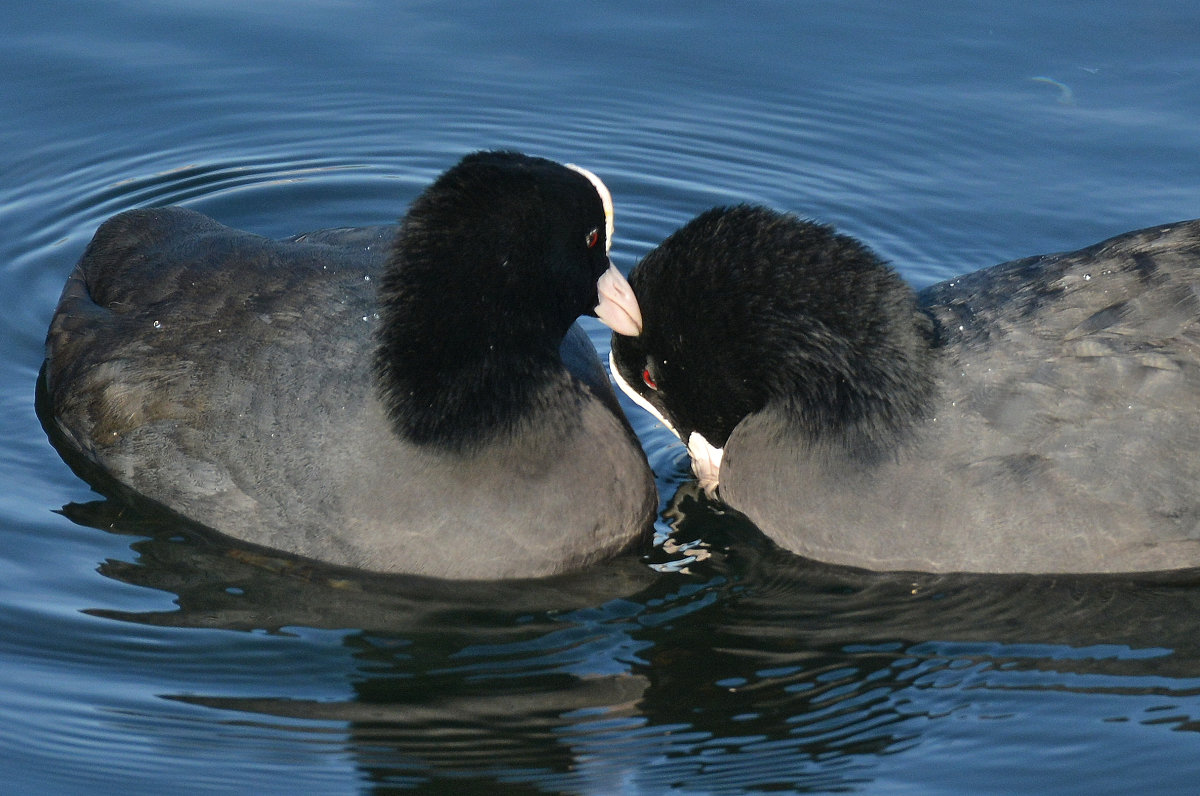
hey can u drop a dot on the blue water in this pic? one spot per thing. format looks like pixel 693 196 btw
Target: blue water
pixel 135 658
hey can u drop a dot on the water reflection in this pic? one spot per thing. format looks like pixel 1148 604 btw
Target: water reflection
pixel 747 669
pixel 465 677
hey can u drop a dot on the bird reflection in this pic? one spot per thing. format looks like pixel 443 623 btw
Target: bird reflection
pixel 742 667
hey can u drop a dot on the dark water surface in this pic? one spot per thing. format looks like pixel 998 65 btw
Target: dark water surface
pixel 136 658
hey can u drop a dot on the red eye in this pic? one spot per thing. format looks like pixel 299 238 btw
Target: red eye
pixel 592 238
pixel 648 379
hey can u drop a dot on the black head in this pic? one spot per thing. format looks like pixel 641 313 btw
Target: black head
pixel 492 264
pixel 745 307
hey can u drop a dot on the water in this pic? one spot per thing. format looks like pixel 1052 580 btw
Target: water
pixel 137 659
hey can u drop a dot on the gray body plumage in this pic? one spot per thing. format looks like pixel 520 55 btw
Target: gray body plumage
pixel 229 377
pixel 1063 434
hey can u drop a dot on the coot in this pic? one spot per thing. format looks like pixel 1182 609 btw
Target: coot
pixel 412 399
pixel 1041 415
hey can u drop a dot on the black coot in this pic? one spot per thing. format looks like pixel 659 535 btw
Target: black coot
pixel 1038 416
pixel 412 399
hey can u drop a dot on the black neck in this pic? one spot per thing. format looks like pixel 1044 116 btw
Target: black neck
pixel 458 401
